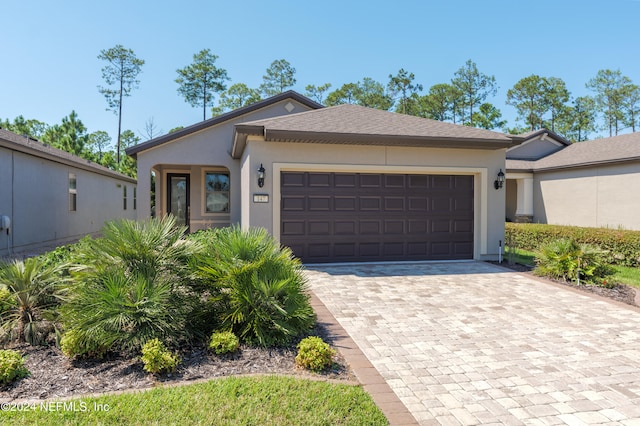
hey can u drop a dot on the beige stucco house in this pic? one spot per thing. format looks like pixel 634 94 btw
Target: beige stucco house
pixel 49 197
pixel 592 183
pixel 338 184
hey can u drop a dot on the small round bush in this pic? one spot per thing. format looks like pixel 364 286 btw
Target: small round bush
pixel 314 354
pixel 75 344
pixel 157 358
pixel 223 342
pixel 11 366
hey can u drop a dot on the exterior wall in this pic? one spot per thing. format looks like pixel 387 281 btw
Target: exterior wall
pixel 593 197
pixel 194 154
pixel 34 193
pixel 534 149
pixel 277 156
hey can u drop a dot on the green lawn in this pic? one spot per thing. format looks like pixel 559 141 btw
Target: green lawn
pixel 257 400
pixel 623 274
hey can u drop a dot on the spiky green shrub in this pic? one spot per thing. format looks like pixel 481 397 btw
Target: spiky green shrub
pixel 567 260
pixel 76 344
pixel 34 288
pixel 133 285
pixel 264 293
pixel 11 366
pixel 314 354
pixel 157 358
pixel 224 342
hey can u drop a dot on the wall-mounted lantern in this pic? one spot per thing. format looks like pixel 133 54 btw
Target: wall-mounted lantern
pixel 499 182
pixel 261 172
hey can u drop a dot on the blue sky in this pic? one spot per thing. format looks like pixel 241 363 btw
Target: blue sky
pixel 49 49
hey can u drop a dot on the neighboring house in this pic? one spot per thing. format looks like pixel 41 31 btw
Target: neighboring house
pixel 337 184
pixel 51 197
pixel 592 183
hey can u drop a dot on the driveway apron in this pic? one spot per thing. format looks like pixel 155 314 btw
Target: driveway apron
pixel 472 343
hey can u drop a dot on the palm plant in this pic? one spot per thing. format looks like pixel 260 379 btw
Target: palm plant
pixel 34 289
pixel 132 285
pixel 266 300
pixel 567 260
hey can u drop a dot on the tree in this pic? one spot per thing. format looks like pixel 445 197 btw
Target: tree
pixel 279 77
pixel 346 94
pixel 610 87
pixel 99 141
pixel 442 103
pixel 316 92
pixel 120 74
pixel 22 126
pixel 555 98
pixel 631 105
pixel 368 93
pixel 150 130
pixel 70 136
pixel 475 88
pixel 237 96
pixel 582 119
pixel 402 84
pixel 199 81
pixel 488 117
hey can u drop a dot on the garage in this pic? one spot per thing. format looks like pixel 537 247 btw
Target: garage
pixel 359 217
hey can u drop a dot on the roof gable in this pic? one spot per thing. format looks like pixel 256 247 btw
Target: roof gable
pixel 354 124
pixel 134 150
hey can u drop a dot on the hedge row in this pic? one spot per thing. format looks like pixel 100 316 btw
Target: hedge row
pixel 623 247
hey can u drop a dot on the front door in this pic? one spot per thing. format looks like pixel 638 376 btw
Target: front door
pixel 178 198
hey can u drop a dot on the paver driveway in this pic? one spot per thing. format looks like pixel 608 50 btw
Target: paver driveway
pixel 470 343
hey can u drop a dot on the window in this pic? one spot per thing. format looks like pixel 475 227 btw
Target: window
pixel 135 197
pixel 216 192
pixel 73 192
pixel 124 196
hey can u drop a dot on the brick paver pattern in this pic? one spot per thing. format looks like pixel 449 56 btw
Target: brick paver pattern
pixel 469 343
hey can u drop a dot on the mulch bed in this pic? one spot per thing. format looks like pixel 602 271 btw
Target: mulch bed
pixel 619 292
pixel 54 376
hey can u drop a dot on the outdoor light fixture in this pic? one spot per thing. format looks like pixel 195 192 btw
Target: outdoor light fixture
pixel 500 181
pixel 261 176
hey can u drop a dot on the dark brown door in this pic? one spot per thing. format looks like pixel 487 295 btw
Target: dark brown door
pixel 355 217
pixel 178 202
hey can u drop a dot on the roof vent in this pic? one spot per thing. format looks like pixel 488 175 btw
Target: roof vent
pixel 289 107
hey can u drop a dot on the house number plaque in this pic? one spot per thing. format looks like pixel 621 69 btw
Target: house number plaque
pixel 260 198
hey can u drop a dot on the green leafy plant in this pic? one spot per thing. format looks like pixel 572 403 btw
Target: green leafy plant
pixel 566 259
pixel 224 342
pixel 157 358
pixel 314 354
pixel 11 366
pixel 133 285
pixel 74 343
pixel 264 290
pixel 34 288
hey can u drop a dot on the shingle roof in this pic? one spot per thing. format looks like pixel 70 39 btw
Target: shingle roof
pixel 31 146
pixel 599 151
pixel 353 124
pixel 134 150
pixel 535 133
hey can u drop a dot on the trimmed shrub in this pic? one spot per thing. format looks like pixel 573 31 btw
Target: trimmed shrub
pixel 622 247
pixel 11 366
pixel 75 344
pixel 566 259
pixel 223 342
pixel 314 354
pixel 263 291
pixel 157 358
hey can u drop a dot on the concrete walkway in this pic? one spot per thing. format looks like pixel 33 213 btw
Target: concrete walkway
pixel 471 343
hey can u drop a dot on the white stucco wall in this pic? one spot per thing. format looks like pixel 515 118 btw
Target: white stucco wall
pixel 279 156
pixel 604 196
pixel 34 193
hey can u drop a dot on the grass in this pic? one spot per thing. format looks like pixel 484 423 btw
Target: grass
pixel 623 274
pixel 231 401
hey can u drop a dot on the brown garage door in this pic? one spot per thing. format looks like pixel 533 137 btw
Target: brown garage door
pixel 355 217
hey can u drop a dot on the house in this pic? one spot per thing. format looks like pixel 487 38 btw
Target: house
pixel 49 197
pixel 338 184
pixel 591 183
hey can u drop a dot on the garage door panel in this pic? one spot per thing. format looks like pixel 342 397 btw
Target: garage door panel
pixel 343 217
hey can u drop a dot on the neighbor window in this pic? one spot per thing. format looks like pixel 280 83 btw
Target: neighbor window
pixel 135 197
pixel 124 196
pixel 217 192
pixel 73 192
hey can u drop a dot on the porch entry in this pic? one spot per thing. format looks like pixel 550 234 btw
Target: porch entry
pixel 178 203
